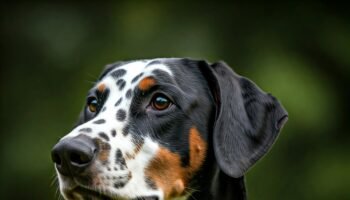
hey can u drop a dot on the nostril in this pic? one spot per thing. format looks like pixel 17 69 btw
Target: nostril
pixel 73 155
pixel 79 158
pixel 56 159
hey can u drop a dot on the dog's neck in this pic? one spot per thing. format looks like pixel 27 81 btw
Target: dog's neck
pixel 228 188
pixel 220 187
pixel 213 184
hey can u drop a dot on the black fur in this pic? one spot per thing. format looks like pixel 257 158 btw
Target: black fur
pixel 238 121
pixel 247 122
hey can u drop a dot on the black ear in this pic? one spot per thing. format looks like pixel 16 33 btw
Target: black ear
pixel 247 123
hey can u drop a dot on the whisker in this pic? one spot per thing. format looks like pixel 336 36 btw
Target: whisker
pixel 91 82
pixel 189 191
pixel 92 76
pixel 54 180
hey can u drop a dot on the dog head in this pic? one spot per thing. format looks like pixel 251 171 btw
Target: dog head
pixel 149 128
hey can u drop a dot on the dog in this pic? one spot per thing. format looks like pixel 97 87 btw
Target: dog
pixel 164 129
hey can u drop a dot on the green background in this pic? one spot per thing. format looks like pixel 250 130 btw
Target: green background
pixel 300 52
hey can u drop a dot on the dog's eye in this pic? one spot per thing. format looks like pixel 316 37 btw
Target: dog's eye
pixel 92 104
pixel 160 102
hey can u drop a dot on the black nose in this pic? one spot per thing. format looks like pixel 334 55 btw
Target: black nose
pixel 73 155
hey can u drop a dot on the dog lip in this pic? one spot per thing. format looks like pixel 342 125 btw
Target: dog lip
pixel 146 198
pixel 85 192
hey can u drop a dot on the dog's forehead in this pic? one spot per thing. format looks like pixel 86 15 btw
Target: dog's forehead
pixel 132 72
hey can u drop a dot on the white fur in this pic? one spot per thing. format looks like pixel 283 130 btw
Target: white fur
pixel 136 186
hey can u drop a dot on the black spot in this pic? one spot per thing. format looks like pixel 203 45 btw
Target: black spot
pixel 125 130
pixel 136 78
pixel 119 184
pixel 113 132
pixel 121 115
pixel 87 130
pixel 119 101
pixel 119 160
pixel 123 180
pixel 100 121
pixel 103 109
pixel 104 136
pixel 121 83
pixel 128 94
pixel 118 73
pixel 113 66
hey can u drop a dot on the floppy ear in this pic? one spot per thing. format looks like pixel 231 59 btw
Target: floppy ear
pixel 248 120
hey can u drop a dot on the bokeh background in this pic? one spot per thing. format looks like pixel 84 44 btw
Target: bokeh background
pixel 300 52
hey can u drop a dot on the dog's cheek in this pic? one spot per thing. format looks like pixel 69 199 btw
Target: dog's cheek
pixel 198 151
pixel 165 169
pixel 166 172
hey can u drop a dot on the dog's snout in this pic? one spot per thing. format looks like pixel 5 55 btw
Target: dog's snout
pixel 73 155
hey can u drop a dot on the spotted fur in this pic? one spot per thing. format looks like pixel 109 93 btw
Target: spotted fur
pixel 134 151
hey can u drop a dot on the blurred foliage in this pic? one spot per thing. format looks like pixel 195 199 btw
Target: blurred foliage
pixel 52 53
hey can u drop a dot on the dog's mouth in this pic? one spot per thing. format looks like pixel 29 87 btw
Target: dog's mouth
pixel 87 194
pixel 86 188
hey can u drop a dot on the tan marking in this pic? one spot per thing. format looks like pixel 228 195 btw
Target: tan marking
pixel 103 156
pixel 166 171
pixel 198 149
pixel 179 186
pixel 129 156
pixel 105 149
pixel 101 87
pixel 146 83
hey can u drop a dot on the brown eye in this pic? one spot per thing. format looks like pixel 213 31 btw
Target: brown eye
pixel 160 102
pixel 92 104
